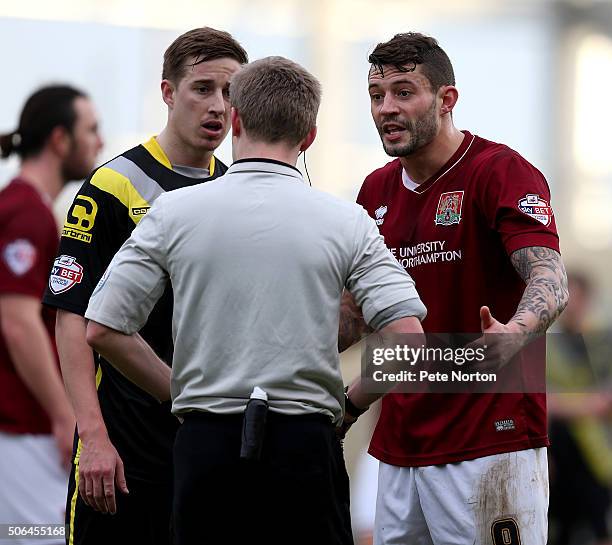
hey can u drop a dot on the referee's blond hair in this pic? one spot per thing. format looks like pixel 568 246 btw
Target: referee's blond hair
pixel 276 99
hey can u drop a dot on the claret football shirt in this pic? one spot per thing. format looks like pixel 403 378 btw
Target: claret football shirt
pixel 454 234
pixel 28 242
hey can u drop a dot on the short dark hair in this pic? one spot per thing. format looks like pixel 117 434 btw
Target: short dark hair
pixel 277 100
pixel 201 44
pixel 46 109
pixel 406 51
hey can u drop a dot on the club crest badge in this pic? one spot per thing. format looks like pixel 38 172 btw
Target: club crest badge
pixel 380 214
pixel 66 273
pixel 449 208
pixel 537 208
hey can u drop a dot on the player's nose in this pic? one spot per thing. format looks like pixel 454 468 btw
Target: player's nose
pixel 217 103
pixel 389 105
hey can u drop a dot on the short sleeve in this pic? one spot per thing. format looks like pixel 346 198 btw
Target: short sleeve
pixel 135 279
pixel 375 279
pixel 94 229
pixel 516 203
pixel 25 251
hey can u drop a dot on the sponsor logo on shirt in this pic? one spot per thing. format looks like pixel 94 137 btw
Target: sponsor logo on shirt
pixel 80 219
pixel 505 425
pixel 19 256
pixel 433 251
pixel 140 211
pixel 380 214
pixel 537 208
pixel 449 208
pixel 65 274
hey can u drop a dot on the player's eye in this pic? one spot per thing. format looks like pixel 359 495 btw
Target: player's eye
pixel 376 96
pixel 226 92
pixel 404 93
pixel 202 89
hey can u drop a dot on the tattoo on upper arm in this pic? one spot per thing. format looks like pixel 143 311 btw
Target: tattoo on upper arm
pixel 352 326
pixel 546 293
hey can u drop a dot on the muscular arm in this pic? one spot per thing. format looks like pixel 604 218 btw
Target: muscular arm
pixel 546 294
pixel 32 355
pixel 352 325
pixel 133 357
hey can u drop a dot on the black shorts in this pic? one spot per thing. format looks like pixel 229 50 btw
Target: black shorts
pixel 298 493
pixel 143 516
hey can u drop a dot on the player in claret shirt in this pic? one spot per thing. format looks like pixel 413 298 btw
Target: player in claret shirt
pixel 57 140
pixel 471 221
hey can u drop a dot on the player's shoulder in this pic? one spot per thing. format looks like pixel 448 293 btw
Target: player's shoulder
pixel 380 181
pixel 496 155
pixel 123 168
pixel 384 173
pixel 496 165
pixel 19 201
pixel 103 172
pixel 18 189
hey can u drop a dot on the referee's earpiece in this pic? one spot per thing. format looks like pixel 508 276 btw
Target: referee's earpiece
pixel 306 168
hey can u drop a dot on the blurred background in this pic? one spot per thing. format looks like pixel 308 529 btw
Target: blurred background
pixel 533 74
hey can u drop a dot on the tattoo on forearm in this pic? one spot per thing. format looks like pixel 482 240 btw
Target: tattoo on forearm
pixel 546 293
pixel 352 325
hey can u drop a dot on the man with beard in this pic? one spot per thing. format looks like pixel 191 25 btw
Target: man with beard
pixel 470 220
pixel 57 140
pixel 125 436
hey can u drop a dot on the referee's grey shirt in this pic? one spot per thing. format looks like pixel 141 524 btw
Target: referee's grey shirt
pixel 258 261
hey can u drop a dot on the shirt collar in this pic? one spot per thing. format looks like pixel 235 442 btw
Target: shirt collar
pixel 261 164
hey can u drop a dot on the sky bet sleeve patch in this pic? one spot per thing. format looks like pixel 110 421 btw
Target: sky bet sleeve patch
pixel 537 208
pixel 66 273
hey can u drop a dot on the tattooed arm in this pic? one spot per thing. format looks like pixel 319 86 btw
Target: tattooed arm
pixel 352 325
pixel 544 298
pixel 546 294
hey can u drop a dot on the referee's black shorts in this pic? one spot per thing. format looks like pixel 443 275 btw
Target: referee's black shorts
pixel 143 516
pixel 297 494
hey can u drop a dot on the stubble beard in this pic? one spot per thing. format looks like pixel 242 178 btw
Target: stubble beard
pixel 73 167
pixel 421 132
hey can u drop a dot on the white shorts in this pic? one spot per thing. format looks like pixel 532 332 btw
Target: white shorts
pixel 33 484
pixel 500 500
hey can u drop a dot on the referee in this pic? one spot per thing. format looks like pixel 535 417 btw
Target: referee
pixel 258 261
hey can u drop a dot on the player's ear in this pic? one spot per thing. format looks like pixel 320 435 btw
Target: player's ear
pixel 449 96
pixel 167 89
pixel 59 141
pixel 310 137
pixel 236 123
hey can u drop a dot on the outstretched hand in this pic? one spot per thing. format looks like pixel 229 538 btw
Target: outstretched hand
pixel 500 341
